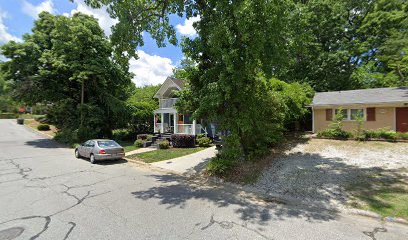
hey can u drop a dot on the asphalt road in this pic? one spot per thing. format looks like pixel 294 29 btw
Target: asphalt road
pixel 46 193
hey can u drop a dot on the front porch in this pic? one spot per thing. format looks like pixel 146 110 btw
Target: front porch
pixel 171 122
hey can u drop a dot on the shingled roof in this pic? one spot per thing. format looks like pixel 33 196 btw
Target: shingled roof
pixel 362 96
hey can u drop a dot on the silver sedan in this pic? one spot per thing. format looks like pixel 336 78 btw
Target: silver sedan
pixel 100 149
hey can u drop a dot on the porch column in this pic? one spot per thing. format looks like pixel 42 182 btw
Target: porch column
pixel 175 116
pixel 194 127
pixel 162 123
pixel 154 123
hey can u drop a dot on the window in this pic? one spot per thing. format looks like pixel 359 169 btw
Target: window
pixel 344 112
pixel 108 143
pixel 350 114
pixel 355 113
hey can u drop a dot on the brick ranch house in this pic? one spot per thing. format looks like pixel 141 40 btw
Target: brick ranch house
pixel 381 108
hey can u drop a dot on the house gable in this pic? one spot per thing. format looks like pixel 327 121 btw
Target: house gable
pixel 169 85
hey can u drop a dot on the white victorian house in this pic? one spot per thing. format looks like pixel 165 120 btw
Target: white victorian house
pixel 167 120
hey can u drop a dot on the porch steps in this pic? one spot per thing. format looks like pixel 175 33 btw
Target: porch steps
pixel 159 137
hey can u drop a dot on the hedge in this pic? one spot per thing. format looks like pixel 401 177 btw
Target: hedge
pixel 381 133
pixel 183 140
pixel 8 115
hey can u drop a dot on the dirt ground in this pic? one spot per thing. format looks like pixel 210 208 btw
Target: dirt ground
pixel 332 173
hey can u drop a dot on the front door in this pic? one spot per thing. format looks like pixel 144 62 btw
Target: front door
pixel 401 119
pixel 180 118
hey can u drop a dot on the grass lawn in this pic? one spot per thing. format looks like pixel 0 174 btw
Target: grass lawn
pixel 386 195
pixel 128 145
pixel 164 154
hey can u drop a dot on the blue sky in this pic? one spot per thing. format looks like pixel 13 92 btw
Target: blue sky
pixel 152 67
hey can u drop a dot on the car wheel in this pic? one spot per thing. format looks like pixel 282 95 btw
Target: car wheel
pixel 77 153
pixel 92 159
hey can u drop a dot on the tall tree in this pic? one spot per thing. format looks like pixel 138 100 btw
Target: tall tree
pixel 384 44
pixel 63 58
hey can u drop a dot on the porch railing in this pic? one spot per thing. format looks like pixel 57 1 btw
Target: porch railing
pixel 188 129
pixel 168 103
pixel 157 127
pixel 180 128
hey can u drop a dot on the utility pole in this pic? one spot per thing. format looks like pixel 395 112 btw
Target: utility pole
pixel 82 101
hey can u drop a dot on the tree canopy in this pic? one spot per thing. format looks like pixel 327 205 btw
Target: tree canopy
pixel 62 57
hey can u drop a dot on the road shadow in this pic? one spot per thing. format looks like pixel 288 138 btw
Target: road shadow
pixel 45 143
pixel 175 192
pixel 105 162
pixel 112 162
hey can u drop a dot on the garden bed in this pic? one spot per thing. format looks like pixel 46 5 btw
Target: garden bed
pixel 32 123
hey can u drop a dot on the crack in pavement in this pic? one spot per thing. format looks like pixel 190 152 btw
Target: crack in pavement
pixel 45 227
pixel 73 225
pixel 230 225
pixel 374 232
pixel 23 172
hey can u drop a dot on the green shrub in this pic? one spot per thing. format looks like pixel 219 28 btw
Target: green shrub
pixel 149 137
pixel 401 135
pixel 164 144
pixel 381 133
pixel 43 127
pixel 201 135
pixel 334 133
pixel 139 143
pixel 219 166
pixel 122 135
pixel 204 142
pixel 183 140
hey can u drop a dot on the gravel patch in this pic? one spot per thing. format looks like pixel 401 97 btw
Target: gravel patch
pixel 319 171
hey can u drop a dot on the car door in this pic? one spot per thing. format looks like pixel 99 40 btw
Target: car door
pixel 82 149
pixel 89 148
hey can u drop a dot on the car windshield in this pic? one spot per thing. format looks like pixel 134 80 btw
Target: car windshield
pixel 108 143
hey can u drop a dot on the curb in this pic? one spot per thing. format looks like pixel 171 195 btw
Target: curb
pixel 374 215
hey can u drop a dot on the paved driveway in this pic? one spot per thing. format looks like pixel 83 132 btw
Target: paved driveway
pixel 45 193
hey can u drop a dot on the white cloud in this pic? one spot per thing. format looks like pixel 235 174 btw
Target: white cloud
pixel 3 58
pixel 104 20
pixel 150 69
pixel 187 28
pixel 33 10
pixel 5 36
